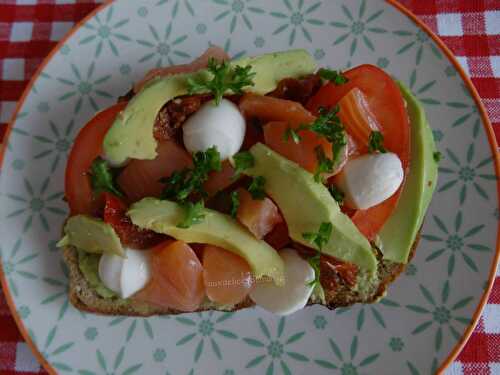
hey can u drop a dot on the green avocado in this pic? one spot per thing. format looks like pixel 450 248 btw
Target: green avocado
pixel 306 204
pixel 91 235
pixel 398 233
pixel 216 229
pixel 89 267
pixel 131 135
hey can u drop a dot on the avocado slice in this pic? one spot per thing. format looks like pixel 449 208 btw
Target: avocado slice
pixel 91 235
pixel 216 229
pixel 399 232
pixel 305 204
pixel 131 135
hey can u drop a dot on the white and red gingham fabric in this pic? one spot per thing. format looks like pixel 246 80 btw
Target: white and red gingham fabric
pixel 29 29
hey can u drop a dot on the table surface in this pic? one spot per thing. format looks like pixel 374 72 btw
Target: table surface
pixel 29 29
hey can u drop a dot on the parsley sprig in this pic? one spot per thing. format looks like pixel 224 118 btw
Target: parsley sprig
pixel 334 76
pixel 235 203
pixel 256 188
pixel 225 77
pixel 328 125
pixel 325 164
pixel 376 142
pixel 293 134
pixel 319 239
pixel 437 156
pixel 242 160
pixel 337 194
pixel 102 178
pixel 183 184
pixel 194 213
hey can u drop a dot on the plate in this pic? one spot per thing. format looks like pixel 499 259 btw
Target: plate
pixel 428 313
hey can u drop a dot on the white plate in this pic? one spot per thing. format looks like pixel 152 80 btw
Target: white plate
pixel 428 311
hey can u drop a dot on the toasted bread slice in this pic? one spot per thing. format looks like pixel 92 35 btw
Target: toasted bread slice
pixel 85 298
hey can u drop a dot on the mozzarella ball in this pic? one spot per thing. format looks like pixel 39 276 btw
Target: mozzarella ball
pixel 125 276
pixel 370 179
pixel 294 294
pixel 220 125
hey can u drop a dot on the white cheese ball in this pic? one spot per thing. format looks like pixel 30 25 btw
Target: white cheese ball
pixel 370 179
pixel 294 294
pixel 125 276
pixel 220 125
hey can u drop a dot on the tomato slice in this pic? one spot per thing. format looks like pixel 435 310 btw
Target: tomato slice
pixel 386 104
pixel 228 277
pixel 87 147
pixel 130 235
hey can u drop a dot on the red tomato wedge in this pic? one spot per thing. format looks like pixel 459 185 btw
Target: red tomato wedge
pixel 200 63
pixel 130 235
pixel 259 216
pixel 267 108
pixel 141 178
pixel 357 117
pixel 86 148
pixel 228 278
pixel 219 180
pixel 386 104
pixel 302 153
pixel 384 100
pixel 177 278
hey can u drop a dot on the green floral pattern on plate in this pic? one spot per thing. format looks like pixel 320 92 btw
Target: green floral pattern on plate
pixel 410 332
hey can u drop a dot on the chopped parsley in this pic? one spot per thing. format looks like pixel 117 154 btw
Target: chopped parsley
pixel 337 194
pixel 325 165
pixel 376 142
pixel 328 125
pixel 319 239
pixel 102 178
pixel 194 213
pixel 181 184
pixel 224 78
pixel 334 76
pixel 293 134
pixel 235 203
pixel 242 160
pixel 256 188
pixel 437 156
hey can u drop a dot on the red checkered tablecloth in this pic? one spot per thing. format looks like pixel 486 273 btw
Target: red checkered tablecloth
pixel 29 29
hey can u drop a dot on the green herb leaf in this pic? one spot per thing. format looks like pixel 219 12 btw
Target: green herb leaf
pixel 256 188
pixel 376 142
pixel 319 239
pixel 225 78
pixel 315 263
pixel 235 203
pixel 293 134
pixel 337 194
pixel 102 178
pixel 325 165
pixel 334 76
pixel 194 214
pixel 437 156
pixel 181 184
pixel 328 125
pixel 242 160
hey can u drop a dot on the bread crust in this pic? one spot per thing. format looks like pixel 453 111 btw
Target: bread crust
pixel 84 297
